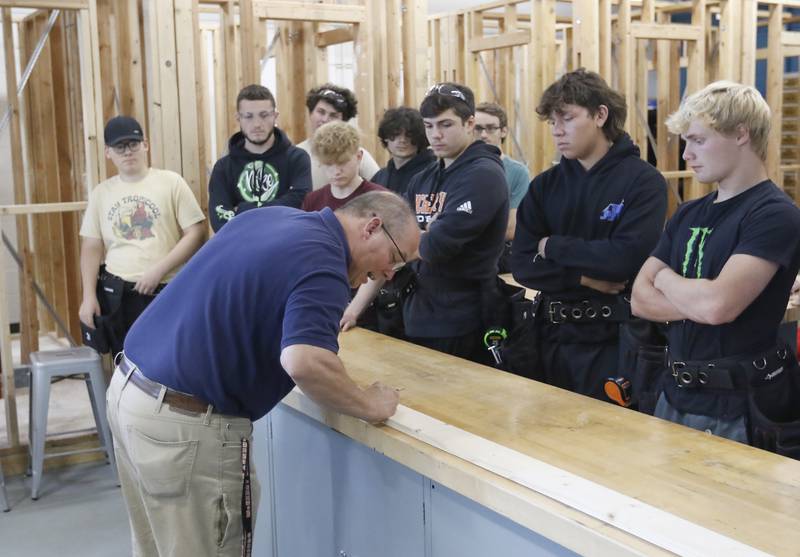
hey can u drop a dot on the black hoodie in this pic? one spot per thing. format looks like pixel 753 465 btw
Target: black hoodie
pixel 242 180
pixel 397 179
pixel 602 223
pixel 468 204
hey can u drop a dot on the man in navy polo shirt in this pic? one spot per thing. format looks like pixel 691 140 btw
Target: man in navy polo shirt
pixel 250 316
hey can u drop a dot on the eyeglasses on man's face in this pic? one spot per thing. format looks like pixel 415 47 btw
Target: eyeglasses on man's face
pixel 131 146
pixel 399 265
pixel 488 129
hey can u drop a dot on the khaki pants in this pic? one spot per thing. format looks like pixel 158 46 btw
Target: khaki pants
pixel 181 474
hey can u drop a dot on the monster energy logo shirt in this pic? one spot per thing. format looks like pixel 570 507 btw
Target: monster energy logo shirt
pixel 697 243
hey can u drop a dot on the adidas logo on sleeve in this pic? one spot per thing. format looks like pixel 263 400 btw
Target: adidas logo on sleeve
pixel 465 207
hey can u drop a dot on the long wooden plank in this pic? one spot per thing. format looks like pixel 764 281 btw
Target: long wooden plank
pixel 131 76
pixel 29 337
pixel 92 144
pixel 730 46
pixel 67 237
pixel 38 208
pixel 38 162
pixel 774 97
pixel 668 98
pixel 6 363
pixel 188 94
pixel 220 94
pixel 50 181
pixel 251 69
pixel 46 4
pixel 166 63
pixel 93 54
pixel 205 88
pixel 394 58
pixel 233 80
pixel 380 67
pixel 506 40
pixel 154 107
pixel 298 11
pixel 661 31
pixel 747 41
pixel 586 34
pixel 790 38
pixel 106 40
pixel 331 37
pixel 363 81
pixel 542 60
pixel 654 525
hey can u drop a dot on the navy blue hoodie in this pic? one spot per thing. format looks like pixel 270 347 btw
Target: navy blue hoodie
pixel 468 204
pixel 242 180
pixel 397 179
pixel 602 223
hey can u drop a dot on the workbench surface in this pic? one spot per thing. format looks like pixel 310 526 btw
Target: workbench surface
pixel 746 494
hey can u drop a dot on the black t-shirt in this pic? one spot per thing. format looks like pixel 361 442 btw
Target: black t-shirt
pixel 697 242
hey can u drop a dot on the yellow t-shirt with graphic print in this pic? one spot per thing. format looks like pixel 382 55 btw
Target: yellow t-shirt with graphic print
pixel 140 222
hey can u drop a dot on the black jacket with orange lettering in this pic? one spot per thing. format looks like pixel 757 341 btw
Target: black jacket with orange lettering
pixel 465 210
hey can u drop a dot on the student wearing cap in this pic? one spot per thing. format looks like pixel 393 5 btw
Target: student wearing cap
pixel 144 222
pixel 325 104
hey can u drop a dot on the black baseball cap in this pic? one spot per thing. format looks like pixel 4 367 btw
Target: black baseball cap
pixel 122 128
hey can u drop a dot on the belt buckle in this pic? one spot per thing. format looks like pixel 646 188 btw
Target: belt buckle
pixel 558 313
pixel 683 377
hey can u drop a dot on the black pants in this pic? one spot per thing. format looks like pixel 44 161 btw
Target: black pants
pixel 469 346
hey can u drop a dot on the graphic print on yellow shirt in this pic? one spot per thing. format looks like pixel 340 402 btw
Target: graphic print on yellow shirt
pixel 133 217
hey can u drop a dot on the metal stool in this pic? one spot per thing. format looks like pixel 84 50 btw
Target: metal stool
pixel 3 495
pixel 45 365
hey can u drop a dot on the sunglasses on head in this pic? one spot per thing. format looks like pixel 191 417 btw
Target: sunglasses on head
pixel 448 90
pixel 338 100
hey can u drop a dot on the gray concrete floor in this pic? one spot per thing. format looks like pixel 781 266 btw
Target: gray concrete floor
pixel 80 512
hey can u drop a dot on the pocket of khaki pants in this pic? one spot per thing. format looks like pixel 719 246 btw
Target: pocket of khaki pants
pixel 164 467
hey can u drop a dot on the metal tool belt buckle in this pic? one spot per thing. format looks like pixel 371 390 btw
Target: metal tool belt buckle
pixel 557 311
pixel 691 377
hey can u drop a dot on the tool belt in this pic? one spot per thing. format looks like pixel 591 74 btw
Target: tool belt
pixel 587 310
pixel 728 374
pixel 173 398
pixel 109 326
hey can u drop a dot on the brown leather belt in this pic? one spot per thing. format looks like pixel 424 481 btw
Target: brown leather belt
pixel 175 399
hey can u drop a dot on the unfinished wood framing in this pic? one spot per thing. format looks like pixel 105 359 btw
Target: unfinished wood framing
pixel 633 44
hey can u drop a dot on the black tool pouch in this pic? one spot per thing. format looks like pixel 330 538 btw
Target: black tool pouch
pixel 642 360
pixel 520 350
pixel 108 325
pixel 773 409
pixel 389 302
pixel 95 338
